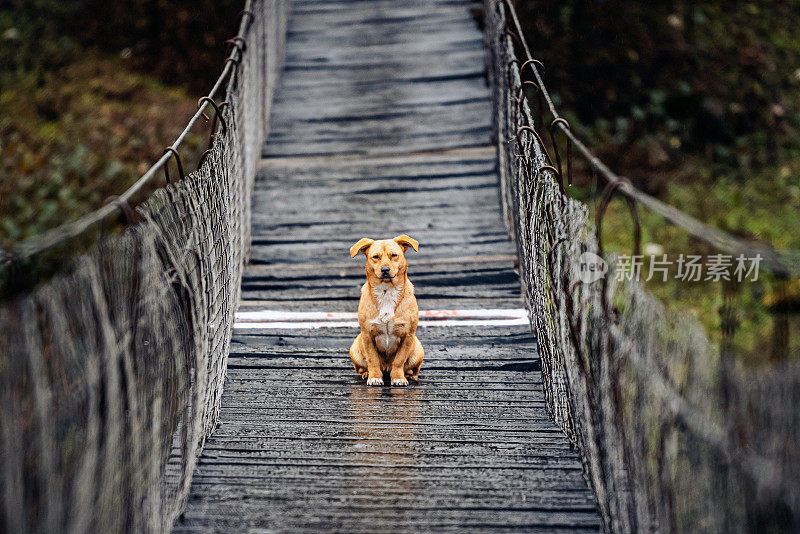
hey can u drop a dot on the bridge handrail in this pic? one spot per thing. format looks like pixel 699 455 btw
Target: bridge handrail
pixel 674 433
pixel 111 372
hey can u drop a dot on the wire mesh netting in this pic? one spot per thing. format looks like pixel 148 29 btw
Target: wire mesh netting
pixel 111 375
pixel 674 433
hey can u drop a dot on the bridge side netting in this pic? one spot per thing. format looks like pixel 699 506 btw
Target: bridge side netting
pixel 673 436
pixel 111 376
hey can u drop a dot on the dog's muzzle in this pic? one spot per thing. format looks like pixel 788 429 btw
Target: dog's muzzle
pixel 385 274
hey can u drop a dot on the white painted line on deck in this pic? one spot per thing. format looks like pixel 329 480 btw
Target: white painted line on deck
pixel 290 320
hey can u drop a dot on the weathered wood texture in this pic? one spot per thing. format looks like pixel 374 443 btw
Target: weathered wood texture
pixel 381 127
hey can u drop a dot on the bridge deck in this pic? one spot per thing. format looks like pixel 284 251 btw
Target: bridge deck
pixel 381 126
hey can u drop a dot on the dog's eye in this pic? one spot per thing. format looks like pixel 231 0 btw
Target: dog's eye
pixel 394 255
pixel 376 257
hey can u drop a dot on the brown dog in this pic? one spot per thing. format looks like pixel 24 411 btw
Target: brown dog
pixel 387 314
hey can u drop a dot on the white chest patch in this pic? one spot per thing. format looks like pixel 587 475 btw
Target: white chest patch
pixel 387 296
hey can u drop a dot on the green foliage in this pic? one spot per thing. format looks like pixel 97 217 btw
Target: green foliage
pixel 697 103
pixel 84 108
pixel 85 133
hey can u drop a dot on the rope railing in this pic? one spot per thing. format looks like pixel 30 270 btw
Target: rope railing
pixel 111 372
pixel 675 434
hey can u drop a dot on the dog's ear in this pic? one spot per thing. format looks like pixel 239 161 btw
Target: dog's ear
pixel 405 242
pixel 362 246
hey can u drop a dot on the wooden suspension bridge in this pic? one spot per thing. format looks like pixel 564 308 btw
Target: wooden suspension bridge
pixel 192 373
pixel 381 125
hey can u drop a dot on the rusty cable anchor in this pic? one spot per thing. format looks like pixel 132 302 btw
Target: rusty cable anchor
pixel 223 104
pixel 520 68
pixel 538 138
pixel 235 70
pixel 238 42
pixel 207 152
pixel 510 32
pixel 605 199
pixel 546 167
pixel 521 99
pixel 564 124
pixel 522 152
pixel 532 63
pixel 557 174
pixel 217 118
pixel 602 206
pixel 539 98
pixel 177 162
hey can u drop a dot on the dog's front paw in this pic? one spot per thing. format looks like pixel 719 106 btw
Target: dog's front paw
pixel 399 382
pixel 375 381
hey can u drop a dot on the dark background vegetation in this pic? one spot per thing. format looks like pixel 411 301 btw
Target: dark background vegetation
pixel 90 94
pixel 701 94
pixel 699 104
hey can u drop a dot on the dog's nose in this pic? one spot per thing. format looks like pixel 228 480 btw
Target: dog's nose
pixel 385 269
